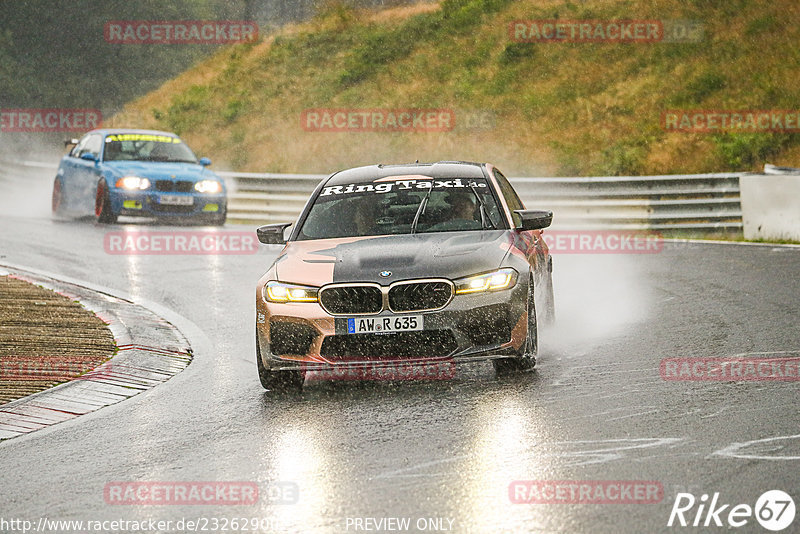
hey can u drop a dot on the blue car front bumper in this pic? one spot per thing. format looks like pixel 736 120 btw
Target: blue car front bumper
pixel 159 204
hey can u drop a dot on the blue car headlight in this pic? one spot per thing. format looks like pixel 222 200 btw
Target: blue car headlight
pixel 208 186
pixel 493 281
pixel 132 183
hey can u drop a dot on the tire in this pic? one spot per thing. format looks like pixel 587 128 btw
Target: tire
pixel 278 380
pixel 102 205
pixel 57 200
pixel 527 360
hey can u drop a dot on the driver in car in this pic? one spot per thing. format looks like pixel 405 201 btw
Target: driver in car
pixel 462 207
pixel 366 213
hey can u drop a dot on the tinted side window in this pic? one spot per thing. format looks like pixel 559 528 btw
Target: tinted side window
pixel 92 146
pixel 512 199
pixel 76 150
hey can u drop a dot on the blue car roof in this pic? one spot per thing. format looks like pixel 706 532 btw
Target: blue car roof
pixel 107 131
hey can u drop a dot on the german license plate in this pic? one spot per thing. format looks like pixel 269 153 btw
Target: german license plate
pixel 384 324
pixel 175 200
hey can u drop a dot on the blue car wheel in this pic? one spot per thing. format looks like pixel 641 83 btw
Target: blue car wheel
pixel 102 205
pixel 58 198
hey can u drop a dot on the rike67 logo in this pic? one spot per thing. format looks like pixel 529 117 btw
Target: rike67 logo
pixel 774 510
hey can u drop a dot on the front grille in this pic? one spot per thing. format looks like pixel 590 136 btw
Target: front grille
pixel 424 344
pixel 168 186
pixel 290 338
pixel 351 299
pixel 418 296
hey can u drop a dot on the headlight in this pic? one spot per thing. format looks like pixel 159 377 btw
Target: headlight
pixel 133 182
pixel 208 186
pixel 501 279
pixel 280 292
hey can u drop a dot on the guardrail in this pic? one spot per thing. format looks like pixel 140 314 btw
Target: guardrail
pixel 697 203
pixel 692 203
pixel 265 198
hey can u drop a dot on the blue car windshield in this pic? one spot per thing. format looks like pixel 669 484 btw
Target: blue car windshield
pixel 147 147
pixel 402 207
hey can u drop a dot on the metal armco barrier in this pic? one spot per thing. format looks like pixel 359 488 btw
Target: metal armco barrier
pixel 694 203
pixel 265 198
pixel 697 203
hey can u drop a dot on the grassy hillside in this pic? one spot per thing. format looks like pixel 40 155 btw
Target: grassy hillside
pixel 555 108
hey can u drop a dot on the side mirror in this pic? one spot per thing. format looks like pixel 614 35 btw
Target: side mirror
pixel 272 234
pixel 88 156
pixel 205 162
pixel 68 142
pixel 534 219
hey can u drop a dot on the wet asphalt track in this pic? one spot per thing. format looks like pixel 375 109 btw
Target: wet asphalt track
pixel 595 409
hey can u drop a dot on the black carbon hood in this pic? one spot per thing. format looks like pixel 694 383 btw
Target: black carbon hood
pixel 440 255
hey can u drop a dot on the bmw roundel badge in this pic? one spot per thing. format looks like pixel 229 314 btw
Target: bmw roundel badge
pixel 386 274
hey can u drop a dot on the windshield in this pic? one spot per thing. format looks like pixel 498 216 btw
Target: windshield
pixel 392 207
pixel 146 147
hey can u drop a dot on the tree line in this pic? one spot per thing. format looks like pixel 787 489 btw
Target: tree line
pixel 53 53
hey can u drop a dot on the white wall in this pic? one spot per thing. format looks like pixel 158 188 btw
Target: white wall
pixel 770 206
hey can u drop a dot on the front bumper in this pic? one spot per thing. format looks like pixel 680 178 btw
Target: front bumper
pixel 303 336
pixel 148 204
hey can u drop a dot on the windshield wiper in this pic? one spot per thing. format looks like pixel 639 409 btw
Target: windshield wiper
pixel 421 209
pixel 484 216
